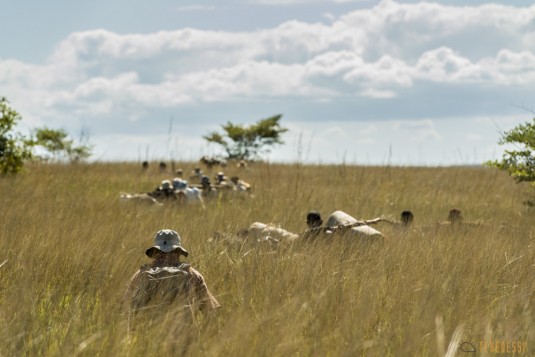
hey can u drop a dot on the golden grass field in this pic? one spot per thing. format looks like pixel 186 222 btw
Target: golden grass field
pixel 68 248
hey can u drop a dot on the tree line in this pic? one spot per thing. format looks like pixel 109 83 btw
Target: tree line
pixel 238 141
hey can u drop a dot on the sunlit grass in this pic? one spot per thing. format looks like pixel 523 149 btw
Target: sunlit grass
pixel 69 247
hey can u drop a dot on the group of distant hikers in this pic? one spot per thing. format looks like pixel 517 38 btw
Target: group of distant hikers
pixel 198 182
pixel 167 280
pixel 199 185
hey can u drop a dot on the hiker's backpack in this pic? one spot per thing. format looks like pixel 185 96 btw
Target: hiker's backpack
pixel 161 285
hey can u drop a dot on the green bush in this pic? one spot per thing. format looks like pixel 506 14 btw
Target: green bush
pixel 519 162
pixel 14 148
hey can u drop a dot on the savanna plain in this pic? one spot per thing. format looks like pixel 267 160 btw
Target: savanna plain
pixel 68 248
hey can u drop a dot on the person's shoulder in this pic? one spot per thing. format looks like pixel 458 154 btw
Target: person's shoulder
pixel 187 267
pixel 193 272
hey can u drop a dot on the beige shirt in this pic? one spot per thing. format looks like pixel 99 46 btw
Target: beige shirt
pixel 155 284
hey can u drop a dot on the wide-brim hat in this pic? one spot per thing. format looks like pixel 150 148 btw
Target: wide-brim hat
pixel 166 184
pixel 166 241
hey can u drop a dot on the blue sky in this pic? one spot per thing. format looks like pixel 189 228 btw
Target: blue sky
pixel 368 82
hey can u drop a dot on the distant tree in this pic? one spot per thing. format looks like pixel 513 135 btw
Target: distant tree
pixel 14 148
pixel 248 142
pixel 59 145
pixel 520 162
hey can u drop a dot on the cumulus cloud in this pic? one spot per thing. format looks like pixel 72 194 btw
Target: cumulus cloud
pixel 407 30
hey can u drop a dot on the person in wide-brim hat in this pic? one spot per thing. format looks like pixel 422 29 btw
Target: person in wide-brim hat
pixel 167 280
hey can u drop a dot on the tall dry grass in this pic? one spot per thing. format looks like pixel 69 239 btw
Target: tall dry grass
pixel 68 248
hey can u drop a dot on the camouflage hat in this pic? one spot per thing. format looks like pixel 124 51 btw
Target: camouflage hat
pixel 166 241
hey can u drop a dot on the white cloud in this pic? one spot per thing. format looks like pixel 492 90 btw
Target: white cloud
pixel 386 71
pixel 443 65
pixel 377 93
pixel 407 30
